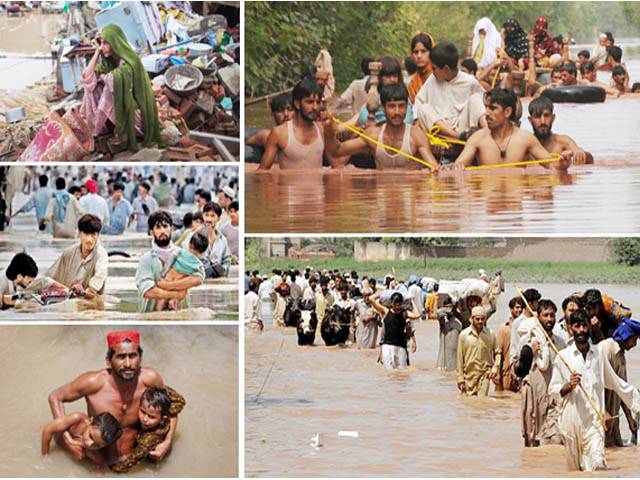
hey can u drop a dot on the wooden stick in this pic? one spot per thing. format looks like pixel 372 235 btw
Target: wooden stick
pixel 566 364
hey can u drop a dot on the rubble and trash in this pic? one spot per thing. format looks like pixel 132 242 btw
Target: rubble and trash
pixel 192 60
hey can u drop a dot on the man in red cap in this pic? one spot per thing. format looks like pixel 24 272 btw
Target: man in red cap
pixel 116 389
pixel 94 204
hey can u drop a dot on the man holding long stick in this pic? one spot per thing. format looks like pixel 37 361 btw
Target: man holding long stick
pixel 583 364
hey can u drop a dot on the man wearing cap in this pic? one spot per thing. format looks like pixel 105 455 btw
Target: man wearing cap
pixel 94 204
pixel 83 267
pixel 624 338
pixel 116 389
pixel 478 356
pixel 149 282
pixel 225 197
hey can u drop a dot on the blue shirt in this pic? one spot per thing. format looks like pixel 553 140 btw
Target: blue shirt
pixel 381 117
pixel 39 200
pixel 118 217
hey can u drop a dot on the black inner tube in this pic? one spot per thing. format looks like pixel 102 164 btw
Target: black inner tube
pixel 576 94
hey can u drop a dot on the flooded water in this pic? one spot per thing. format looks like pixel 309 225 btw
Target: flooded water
pixel 492 201
pixel 199 362
pixel 411 423
pixel 24 41
pixel 214 300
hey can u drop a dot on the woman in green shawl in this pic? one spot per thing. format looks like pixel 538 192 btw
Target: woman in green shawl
pixel 117 88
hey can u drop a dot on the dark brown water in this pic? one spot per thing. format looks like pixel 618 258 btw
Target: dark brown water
pixel 411 423
pixel 200 362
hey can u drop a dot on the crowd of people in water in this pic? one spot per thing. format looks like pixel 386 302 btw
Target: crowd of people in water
pixel 571 372
pixel 183 252
pixel 471 106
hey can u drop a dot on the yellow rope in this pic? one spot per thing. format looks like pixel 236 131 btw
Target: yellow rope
pixel 436 140
pixel 387 147
pixel 554 158
pixel 495 77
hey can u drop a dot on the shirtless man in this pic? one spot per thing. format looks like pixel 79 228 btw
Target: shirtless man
pixel 620 79
pixel 503 142
pixel 589 76
pixel 541 117
pixel 281 111
pixel 299 142
pixel 394 132
pixel 116 389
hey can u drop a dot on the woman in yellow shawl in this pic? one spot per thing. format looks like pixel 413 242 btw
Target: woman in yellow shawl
pixel 421 46
pixel 117 88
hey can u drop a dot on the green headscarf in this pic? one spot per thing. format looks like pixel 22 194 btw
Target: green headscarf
pixel 131 89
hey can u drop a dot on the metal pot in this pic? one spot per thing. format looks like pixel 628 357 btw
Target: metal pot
pixel 14 115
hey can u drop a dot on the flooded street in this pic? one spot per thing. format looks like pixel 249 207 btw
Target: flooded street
pixel 494 201
pixel 216 299
pixel 411 423
pixel 200 362
pixel 22 38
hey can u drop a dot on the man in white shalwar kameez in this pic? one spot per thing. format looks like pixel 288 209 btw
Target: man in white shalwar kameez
pixel 451 99
pixel 580 426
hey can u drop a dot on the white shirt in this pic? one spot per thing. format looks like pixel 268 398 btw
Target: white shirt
pixel 96 205
pixel 516 334
pixel 252 313
pixel 415 292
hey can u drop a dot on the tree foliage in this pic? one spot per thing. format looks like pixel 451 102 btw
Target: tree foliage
pixel 283 38
pixel 626 251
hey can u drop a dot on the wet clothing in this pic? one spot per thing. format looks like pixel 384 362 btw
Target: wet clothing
pixel 618 361
pixel 366 332
pixel 297 155
pixel 252 310
pixel 385 160
pixel 582 433
pixel 39 202
pixel 450 328
pixel 119 215
pixel 63 212
pixel 503 338
pixel 478 359
pixel 539 411
pixel 394 340
pixel 381 118
pixel 394 357
pixel 91 272
pixel 142 216
pixel 96 205
pixel 148 440
pixel 150 270
pixel 186 263
pixel 355 95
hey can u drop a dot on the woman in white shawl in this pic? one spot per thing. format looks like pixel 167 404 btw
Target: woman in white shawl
pixel 486 42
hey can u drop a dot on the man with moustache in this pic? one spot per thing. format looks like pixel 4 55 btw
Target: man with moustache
pixel 116 389
pixel 541 117
pixel 395 133
pixel 581 429
pixel 298 143
pixel 149 271
pixel 503 141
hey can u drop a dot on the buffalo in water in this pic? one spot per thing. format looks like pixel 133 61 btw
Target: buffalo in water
pixel 307 322
pixel 336 325
pixel 291 314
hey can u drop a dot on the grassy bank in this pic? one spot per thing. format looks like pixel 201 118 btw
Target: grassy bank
pixel 456 268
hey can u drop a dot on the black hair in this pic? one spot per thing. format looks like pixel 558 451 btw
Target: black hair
pixel 571 299
pixel 395 92
pixel 234 206
pixel 410 66
pixel 204 194
pixel 635 87
pixel 254 284
pixel 505 98
pixel 306 87
pixel 43 180
pixel 111 351
pixel 89 224
pixel 618 70
pixel 531 295
pixel 570 68
pixel 587 67
pixel 198 216
pixel 579 316
pixel 372 282
pixel 109 426
pixel 391 66
pixel 615 52
pixel 146 186
pixel 610 37
pixel 74 189
pixel 324 280
pixel 397 297
pixel 61 183
pixel 199 242
pixel 447 300
pixel 157 397
pixel 539 105
pixel 187 220
pixel 364 65
pixel 470 64
pixel 279 102
pixel 557 69
pixel 445 53
pixel 592 297
pixel 159 217
pixel 558 39
pixel 516 301
pixel 585 54
pixel 545 304
pixel 212 207
pixel 422 38
pixel 118 186
pixel 343 285
pixel 21 264
pixel 524 362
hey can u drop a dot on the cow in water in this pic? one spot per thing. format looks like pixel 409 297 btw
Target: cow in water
pixel 336 325
pixel 307 322
pixel 292 312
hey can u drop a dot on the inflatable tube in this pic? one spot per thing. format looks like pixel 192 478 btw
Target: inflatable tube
pixel 575 94
pixel 252 154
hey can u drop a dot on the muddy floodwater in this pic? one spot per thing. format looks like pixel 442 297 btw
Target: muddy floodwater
pixel 215 299
pixel 199 362
pixel 410 423
pixel 600 198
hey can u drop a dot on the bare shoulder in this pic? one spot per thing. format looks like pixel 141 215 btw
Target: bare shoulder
pixel 150 377
pixel 564 140
pixel 93 381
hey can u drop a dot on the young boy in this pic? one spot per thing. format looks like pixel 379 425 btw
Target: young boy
pixel 156 407
pixel 186 263
pixel 88 433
